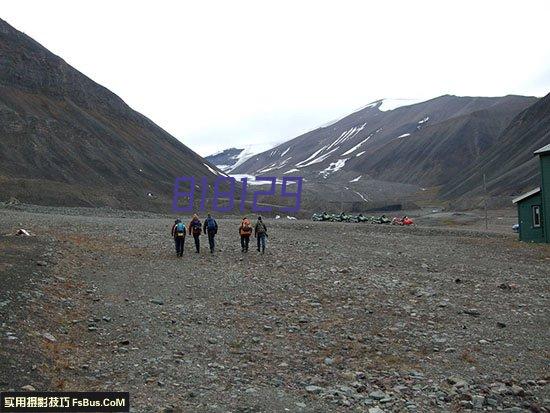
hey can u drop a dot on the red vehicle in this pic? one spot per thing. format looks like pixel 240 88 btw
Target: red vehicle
pixel 402 221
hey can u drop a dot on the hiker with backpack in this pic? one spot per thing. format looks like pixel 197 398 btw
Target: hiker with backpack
pixel 211 229
pixel 245 231
pixel 178 233
pixel 195 230
pixel 260 232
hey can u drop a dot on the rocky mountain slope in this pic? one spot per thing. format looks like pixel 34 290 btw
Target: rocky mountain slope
pixel 226 159
pixel 427 144
pixel 65 140
pixel 509 165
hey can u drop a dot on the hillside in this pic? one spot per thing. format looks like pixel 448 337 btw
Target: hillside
pixel 509 164
pixel 428 144
pixel 226 159
pixel 66 140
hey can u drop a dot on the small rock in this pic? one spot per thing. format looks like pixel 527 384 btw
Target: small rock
pixel 328 361
pixel 42 263
pixel 28 387
pixel 472 311
pixel 478 401
pixel 378 395
pixel 314 389
pixel 457 381
pixel 49 337
pixel 158 301
pixel 517 390
pixel 491 402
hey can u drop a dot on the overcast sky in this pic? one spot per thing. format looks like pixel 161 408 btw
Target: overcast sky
pixel 217 74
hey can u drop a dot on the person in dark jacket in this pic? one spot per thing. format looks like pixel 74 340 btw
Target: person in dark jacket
pixel 210 228
pixel 245 231
pixel 195 230
pixel 178 233
pixel 260 232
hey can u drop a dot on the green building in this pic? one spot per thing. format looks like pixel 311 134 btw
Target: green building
pixel 534 206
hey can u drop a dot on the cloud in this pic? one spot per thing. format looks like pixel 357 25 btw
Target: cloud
pixel 219 73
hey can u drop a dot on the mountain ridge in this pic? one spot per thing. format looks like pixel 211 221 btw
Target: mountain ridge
pixel 425 144
pixel 66 140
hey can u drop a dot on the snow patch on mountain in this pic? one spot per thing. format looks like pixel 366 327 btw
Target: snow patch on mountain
pixel 362 196
pixel 391 104
pixel 356 179
pixel 357 146
pixel 332 122
pixel 269 168
pixel 213 170
pixel 299 164
pixel 350 133
pixel 251 180
pixel 403 136
pixel 248 152
pixel 319 159
pixel 333 167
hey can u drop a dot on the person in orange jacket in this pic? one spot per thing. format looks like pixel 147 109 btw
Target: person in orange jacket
pixel 245 231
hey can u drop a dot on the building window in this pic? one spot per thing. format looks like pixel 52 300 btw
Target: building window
pixel 536 216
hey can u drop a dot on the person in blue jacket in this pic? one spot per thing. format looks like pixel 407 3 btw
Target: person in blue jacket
pixel 178 233
pixel 211 229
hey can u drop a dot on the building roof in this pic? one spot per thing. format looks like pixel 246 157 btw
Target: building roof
pixel 526 195
pixel 544 149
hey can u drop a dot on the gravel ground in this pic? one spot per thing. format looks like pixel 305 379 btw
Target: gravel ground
pixel 334 317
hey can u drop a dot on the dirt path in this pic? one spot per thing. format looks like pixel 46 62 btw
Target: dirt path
pixel 335 317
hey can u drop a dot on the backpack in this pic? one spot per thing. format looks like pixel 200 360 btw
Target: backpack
pixel 211 224
pixel 261 229
pixel 246 228
pixel 196 225
pixel 180 230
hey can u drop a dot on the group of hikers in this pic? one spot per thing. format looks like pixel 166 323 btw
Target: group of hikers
pixel 210 228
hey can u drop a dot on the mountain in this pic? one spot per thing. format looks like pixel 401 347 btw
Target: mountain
pixel 230 159
pixel 427 145
pixel 226 159
pixel 66 140
pixel 509 165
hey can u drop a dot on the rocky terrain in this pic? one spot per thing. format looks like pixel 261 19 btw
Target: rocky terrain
pixel 334 317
